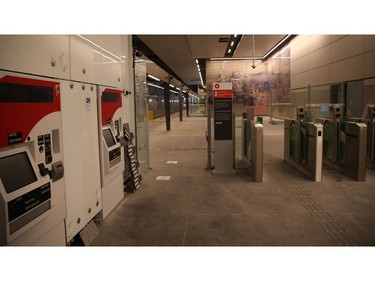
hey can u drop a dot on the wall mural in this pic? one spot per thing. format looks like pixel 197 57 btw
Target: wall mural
pixel 253 87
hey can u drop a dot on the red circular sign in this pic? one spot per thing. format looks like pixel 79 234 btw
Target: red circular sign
pixel 217 86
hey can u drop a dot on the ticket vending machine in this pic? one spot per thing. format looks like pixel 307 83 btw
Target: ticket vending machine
pixel 32 189
pixel 112 155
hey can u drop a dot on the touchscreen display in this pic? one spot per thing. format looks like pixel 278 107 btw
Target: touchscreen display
pixel 109 139
pixel 16 171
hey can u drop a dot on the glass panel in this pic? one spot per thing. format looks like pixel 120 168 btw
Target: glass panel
pixel 298 98
pixel 141 116
pixel 318 102
pixel 197 106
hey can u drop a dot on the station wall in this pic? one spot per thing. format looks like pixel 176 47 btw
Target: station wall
pixel 323 60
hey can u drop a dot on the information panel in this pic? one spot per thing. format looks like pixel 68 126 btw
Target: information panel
pixel 223 111
pixel 223 159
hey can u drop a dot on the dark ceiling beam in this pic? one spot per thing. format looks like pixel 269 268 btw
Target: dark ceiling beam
pixel 233 43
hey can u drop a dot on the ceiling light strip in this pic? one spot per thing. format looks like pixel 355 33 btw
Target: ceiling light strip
pixel 276 46
pixel 156 86
pixel 199 71
pixel 153 77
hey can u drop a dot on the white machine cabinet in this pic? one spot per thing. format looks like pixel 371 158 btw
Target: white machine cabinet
pixel 112 155
pixel 97 59
pixel 82 59
pixel 46 55
pixel 81 154
pixel 32 189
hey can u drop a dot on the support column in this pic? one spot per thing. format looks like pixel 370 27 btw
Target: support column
pixel 187 104
pixel 167 105
pixel 180 101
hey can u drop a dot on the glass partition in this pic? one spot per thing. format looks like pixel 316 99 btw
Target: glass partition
pixel 142 141
pixel 317 99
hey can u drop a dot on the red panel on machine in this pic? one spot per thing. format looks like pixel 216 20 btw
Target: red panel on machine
pixel 111 101
pixel 23 103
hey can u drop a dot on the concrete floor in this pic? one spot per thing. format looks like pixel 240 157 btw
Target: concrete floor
pixel 196 208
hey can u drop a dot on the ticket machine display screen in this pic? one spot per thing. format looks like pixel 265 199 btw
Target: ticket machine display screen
pixel 16 171
pixel 109 139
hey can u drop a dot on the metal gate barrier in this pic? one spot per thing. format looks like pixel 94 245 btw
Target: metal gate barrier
pixel 252 144
pixel 368 118
pixel 303 145
pixel 344 144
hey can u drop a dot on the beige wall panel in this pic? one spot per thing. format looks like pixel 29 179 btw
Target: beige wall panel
pixel 334 38
pixel 320 96
pixel 300 50
pixel 300 65
pixel 299 99
pixel 368 82
pixel 320 57
pixel 299 91
pixel 348 46
pixel 298 39
pixel 299 80
pixel 349 69
pixel 292 68
pixel 369 42
pixel 317 42
pixel 320 75
pixel 369 64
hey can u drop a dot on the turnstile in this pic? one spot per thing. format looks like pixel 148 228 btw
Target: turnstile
pixel 344 144
pixel 252 147
pixel 368 118
pixel 303 145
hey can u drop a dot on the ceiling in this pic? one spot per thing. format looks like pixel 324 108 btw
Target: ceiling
pixel 176 54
